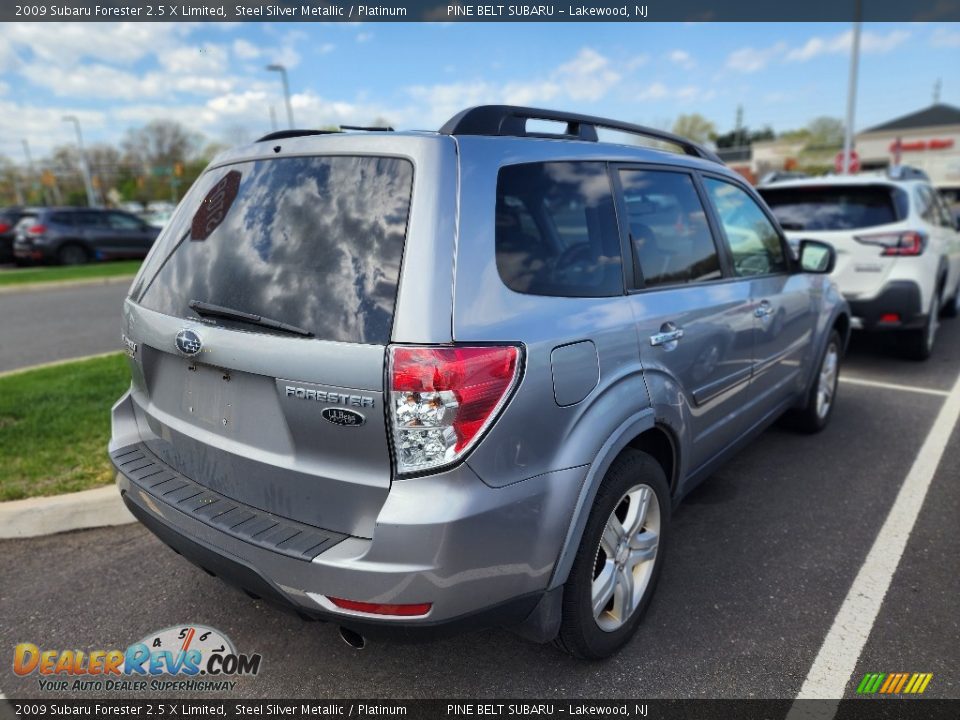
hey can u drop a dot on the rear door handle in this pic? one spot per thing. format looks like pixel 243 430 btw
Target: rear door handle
pixel 665 337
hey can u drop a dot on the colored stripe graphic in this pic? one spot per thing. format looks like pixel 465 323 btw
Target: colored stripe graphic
pixel 894 683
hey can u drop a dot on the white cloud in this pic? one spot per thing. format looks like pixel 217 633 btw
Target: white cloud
pixel 694 93
pixel 942 37
pixel 206 60
pixel 364 37
pixel 637 61
pixel 870 42
pixel 68 43
pixel 97 80
pixel 43 125
pixel 245 50
pixel 682 58
pixel 587 77
pixel 286 56
pixel 656 91
pixel 750 60
pixel 326 48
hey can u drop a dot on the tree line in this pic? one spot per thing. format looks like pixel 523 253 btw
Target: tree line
pixel 158 161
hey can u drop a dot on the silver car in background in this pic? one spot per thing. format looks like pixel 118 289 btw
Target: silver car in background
pixel 414 381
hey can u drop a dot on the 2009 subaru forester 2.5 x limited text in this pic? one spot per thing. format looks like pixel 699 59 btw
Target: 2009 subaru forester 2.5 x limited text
pixel 403 381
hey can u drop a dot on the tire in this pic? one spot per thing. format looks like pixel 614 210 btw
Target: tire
pixel 918 344
pixel 72 254
pixel 815 414
pixel 951 308
pixel 633 479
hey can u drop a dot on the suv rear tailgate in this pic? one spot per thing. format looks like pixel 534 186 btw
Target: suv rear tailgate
pixel 285 418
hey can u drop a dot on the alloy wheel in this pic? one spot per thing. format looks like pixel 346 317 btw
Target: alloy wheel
pixel 827 384
pixel 625 557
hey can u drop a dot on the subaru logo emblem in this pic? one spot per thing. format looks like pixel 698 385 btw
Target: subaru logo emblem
pixel 188 342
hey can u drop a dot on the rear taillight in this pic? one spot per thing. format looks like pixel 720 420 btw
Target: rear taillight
pixel 443 398
pixel 36 230
pixel 4 227
pixel 896 243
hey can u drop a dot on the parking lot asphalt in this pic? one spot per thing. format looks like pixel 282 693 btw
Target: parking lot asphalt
pixel 40 326
pixel 760 560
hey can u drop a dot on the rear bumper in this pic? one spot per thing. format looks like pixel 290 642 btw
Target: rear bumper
pixel 900 297
pixel 31 252
pixel 482 556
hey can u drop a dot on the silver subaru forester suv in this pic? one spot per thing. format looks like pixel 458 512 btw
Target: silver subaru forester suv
pixel 417 381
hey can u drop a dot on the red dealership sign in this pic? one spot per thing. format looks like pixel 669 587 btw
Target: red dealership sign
pixel 917 145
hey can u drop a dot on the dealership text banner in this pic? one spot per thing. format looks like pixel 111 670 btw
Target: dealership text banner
pixel 452 11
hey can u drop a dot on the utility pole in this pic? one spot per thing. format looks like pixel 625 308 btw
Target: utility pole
pixel 738 132
pixel 936 91
pixel 273 119
pixel 84 168
pixel 852 89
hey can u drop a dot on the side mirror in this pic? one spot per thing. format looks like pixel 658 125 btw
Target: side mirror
pixel 817 257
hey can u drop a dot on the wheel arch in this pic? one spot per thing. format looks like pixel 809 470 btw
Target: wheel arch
pixel 642 432
pixel 841 323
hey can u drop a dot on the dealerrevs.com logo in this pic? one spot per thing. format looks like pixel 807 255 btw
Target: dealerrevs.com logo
pixel 197 657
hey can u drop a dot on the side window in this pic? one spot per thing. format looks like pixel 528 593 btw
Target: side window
pixel 926 207
pixel 754 241
pixel 62 218
pixel 119 221
pixel 943 211
pixel 88 219
pixel 671 240
pixel 556 230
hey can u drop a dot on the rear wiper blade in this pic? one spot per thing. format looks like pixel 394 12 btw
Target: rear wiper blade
pixel 205 309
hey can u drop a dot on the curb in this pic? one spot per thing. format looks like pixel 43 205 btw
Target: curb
pixel 54 363
pixel 34 517
pixel 63 284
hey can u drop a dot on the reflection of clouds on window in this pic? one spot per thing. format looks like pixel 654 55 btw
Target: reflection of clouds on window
pixel 314 242
pixel 589 186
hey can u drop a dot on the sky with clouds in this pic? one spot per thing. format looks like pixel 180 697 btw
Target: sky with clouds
pixel 211 77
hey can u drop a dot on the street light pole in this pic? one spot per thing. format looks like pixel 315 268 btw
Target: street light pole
pixel 84 168
pixel 852 89
pixel 277 67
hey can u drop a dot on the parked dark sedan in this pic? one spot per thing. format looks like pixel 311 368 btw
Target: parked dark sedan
pixel 72 236
pixel 9 217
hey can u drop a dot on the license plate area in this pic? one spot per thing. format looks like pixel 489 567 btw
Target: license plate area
pixel 208 395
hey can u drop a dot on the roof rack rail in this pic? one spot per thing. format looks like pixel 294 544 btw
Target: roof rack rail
pixel 368 128
pixel 511 120
pixel 284 134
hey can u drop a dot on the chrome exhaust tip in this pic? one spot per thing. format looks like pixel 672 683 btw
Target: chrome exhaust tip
pixel 353 639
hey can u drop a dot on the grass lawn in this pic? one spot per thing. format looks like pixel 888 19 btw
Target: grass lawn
pixel 55 424
pixel 69 272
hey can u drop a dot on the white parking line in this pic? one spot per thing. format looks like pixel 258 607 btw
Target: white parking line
pixel 831 671
pixel 892 386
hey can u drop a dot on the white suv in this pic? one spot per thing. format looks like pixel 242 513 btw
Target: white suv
pixel 898 248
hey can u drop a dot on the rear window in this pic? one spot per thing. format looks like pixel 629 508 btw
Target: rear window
pixel 556 230
pixel 314 242
pixel 836 207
